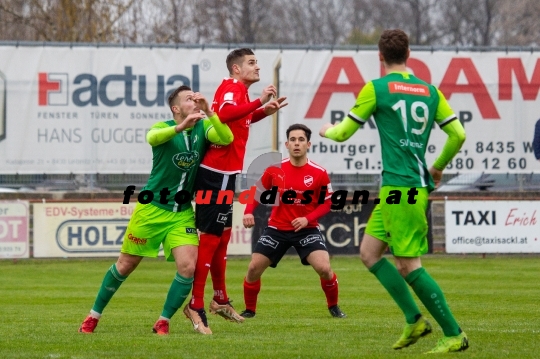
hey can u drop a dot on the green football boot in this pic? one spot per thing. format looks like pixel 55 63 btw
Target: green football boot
pixel 412 333
pixel 458 343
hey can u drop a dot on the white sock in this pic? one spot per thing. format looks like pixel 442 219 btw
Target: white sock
pixel 95 314
pixel 163 318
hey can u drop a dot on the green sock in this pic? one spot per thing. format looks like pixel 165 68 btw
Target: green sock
pixel 433 299
pixel 109 286
pixel 394 284
pixel 178 293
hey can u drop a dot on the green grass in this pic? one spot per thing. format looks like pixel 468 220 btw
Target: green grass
pixel 42 303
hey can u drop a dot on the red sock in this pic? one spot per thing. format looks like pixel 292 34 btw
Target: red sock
pixel 251 291
pixel 218 267
pixel 207 247
pixel 330 288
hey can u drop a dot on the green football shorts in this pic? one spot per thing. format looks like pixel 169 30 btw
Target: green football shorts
pixel 150 226
pixel 402 226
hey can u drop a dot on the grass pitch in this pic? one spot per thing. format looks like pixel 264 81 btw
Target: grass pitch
pixel 42 303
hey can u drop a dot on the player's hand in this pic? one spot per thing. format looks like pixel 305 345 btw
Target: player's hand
pixel 267 93
pixel 248 220
pixel 437 176
pixel 299 223
pixel 202 103
pixel 190 121
pixel 274 106
pixel 325 128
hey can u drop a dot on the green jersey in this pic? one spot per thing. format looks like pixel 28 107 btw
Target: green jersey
pixel 175 163
pixel 404 108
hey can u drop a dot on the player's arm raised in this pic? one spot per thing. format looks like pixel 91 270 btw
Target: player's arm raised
pixel 230 111
pixel 161 132
pixel 356 118
pixel 216 131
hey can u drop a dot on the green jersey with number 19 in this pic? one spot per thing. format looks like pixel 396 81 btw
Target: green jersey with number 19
pixel 404 108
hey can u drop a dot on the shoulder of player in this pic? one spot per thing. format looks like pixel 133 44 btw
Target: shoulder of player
pixel 422 82
pixel 316 166
pixel 232 84
pixel 163 124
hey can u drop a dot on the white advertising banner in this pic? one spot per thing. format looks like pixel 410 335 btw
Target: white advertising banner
pixel 495 95
pixel 80 229
pixel 14 239
pixel 88 109
pixel 240 243
pixel 492 226
pixel 97 229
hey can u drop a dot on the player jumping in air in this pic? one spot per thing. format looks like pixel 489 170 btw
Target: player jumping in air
pixel 218 172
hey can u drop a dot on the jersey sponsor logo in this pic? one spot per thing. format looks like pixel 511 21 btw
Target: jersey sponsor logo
pixel 185 160
pixel 52 89
pixel 88 89
pixel 228 96
pixel 311 239
pixel 137 240
pixel 408 89
pixel 191 230
pixel 308 180
pixel 268 241
pixel 406 142
pixel 223 217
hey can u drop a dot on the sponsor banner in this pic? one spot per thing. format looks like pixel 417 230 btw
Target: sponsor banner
pixel 494 94
pixel 80 229
pixel 90 111
pixel 492 226
pixel 14 237
pixel 240 243
pixel 97 229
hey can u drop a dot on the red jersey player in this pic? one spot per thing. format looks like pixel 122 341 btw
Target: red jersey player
pixel 217 172
pixel 305 193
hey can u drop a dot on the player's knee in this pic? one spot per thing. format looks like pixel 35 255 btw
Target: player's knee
pixel 125 267
pixel 403 268
pixel 368 259
pixel 186 269
pixel 254 271
pixel 325 272
pixel 403 271
pixel 189 271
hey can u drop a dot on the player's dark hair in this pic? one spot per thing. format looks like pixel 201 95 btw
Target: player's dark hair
pixel 394 45
pixel 299 126
pixel 236 57
pixel 175 93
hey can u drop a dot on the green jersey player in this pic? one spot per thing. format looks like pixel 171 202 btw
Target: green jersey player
pixel 405 109
pixel 167 219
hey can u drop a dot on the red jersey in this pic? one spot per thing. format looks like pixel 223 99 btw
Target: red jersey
pixel 309 177
pixel 230 159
